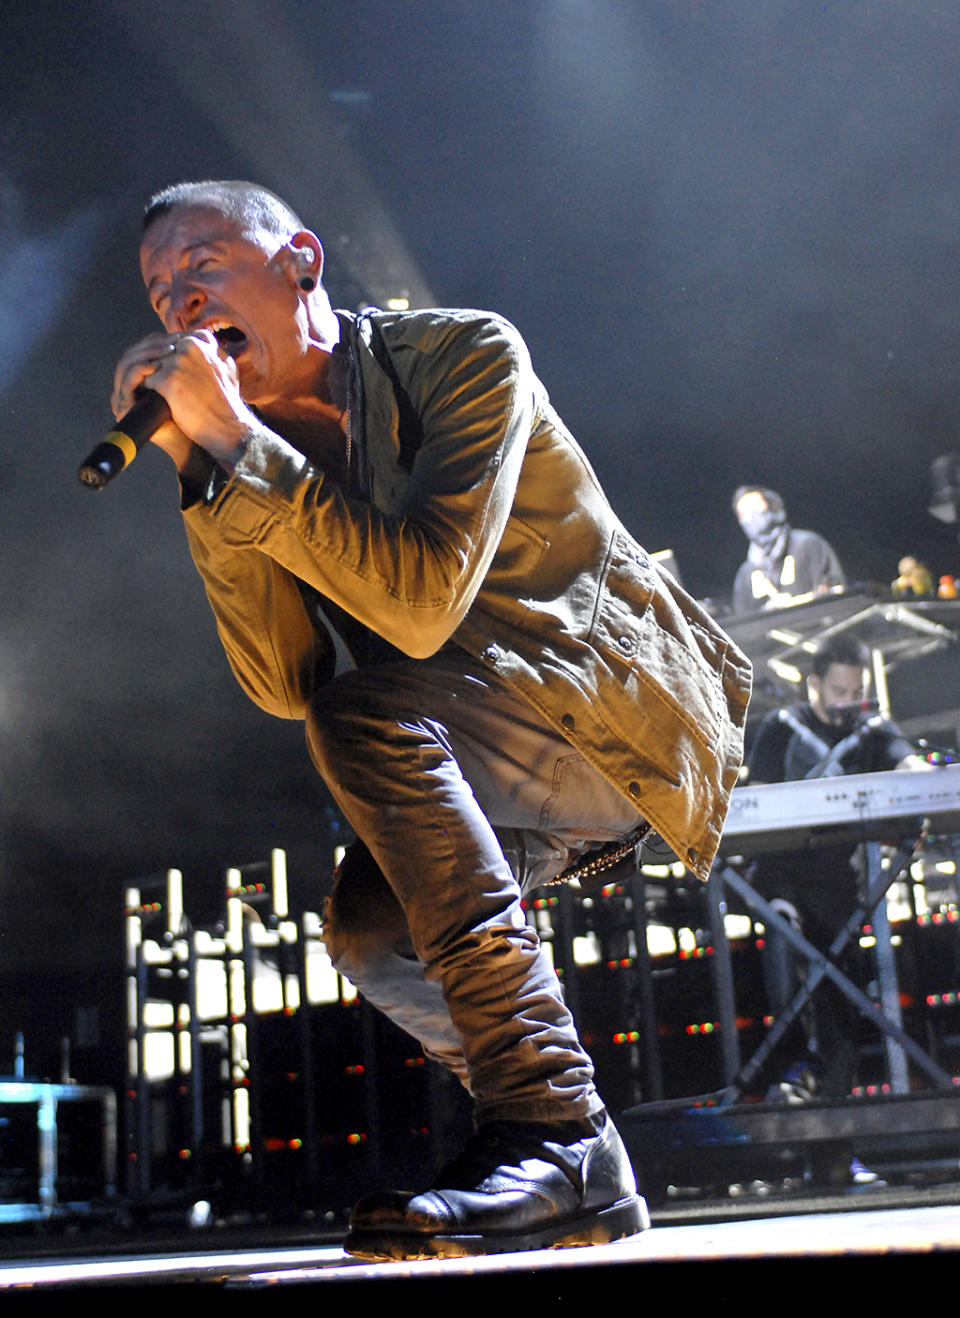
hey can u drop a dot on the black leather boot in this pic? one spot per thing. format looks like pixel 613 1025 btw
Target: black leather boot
pixel 515 1186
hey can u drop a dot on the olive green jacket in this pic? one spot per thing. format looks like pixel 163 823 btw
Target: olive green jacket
pixel 471 514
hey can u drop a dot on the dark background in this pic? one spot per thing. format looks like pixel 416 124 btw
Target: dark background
pixel 728 233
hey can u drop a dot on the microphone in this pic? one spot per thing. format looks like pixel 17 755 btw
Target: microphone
pixel 849 713
pixel 119 448
pixel 849 708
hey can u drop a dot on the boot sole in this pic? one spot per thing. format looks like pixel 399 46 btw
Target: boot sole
pixel 627 1217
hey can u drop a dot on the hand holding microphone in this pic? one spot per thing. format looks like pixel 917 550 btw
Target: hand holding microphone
pixel 140 420
pixel 200 376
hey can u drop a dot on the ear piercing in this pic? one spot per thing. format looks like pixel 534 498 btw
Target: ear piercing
pixel 305 259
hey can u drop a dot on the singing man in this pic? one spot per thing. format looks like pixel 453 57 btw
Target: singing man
pixel 513 681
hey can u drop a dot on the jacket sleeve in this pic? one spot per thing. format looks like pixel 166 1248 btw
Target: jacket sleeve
pixel 406 560
pixel 276 653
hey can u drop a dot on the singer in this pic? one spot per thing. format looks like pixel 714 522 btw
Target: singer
pixel 833 732
pixel 522 683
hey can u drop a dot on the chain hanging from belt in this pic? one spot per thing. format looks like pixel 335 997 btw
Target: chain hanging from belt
pixel 602 858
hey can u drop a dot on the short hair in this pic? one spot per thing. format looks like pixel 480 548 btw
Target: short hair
pixel 252 207
pixel 845 649
pixel 772 498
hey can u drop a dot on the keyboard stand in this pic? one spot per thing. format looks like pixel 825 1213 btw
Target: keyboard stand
pixel 886 1018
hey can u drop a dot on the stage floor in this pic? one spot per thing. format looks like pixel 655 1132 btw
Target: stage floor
pixel 727 1256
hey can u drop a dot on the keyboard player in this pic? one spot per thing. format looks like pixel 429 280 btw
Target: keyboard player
pixel 835 731
pixel 783 566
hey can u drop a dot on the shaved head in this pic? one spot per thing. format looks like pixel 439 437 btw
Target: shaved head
pixel 253 208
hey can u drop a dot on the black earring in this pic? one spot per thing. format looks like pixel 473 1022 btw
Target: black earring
pixel 308 283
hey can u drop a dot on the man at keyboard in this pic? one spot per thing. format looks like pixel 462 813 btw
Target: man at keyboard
pixel 835 731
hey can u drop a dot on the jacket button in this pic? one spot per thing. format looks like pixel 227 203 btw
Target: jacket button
pixel 634 790
pixel 490 654
pixel 693 856
pixel 568 722
pixel 623 642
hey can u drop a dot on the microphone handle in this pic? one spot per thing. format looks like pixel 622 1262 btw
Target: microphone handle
pixel 119 448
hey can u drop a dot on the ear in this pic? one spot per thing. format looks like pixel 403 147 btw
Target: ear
pixel 306 259
pixel 813 688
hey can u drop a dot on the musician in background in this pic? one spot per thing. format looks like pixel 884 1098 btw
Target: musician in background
pixel 830 732
pixel 783 566
pixel 833 732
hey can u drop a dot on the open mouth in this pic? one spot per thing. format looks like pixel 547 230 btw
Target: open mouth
pixel 231 340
